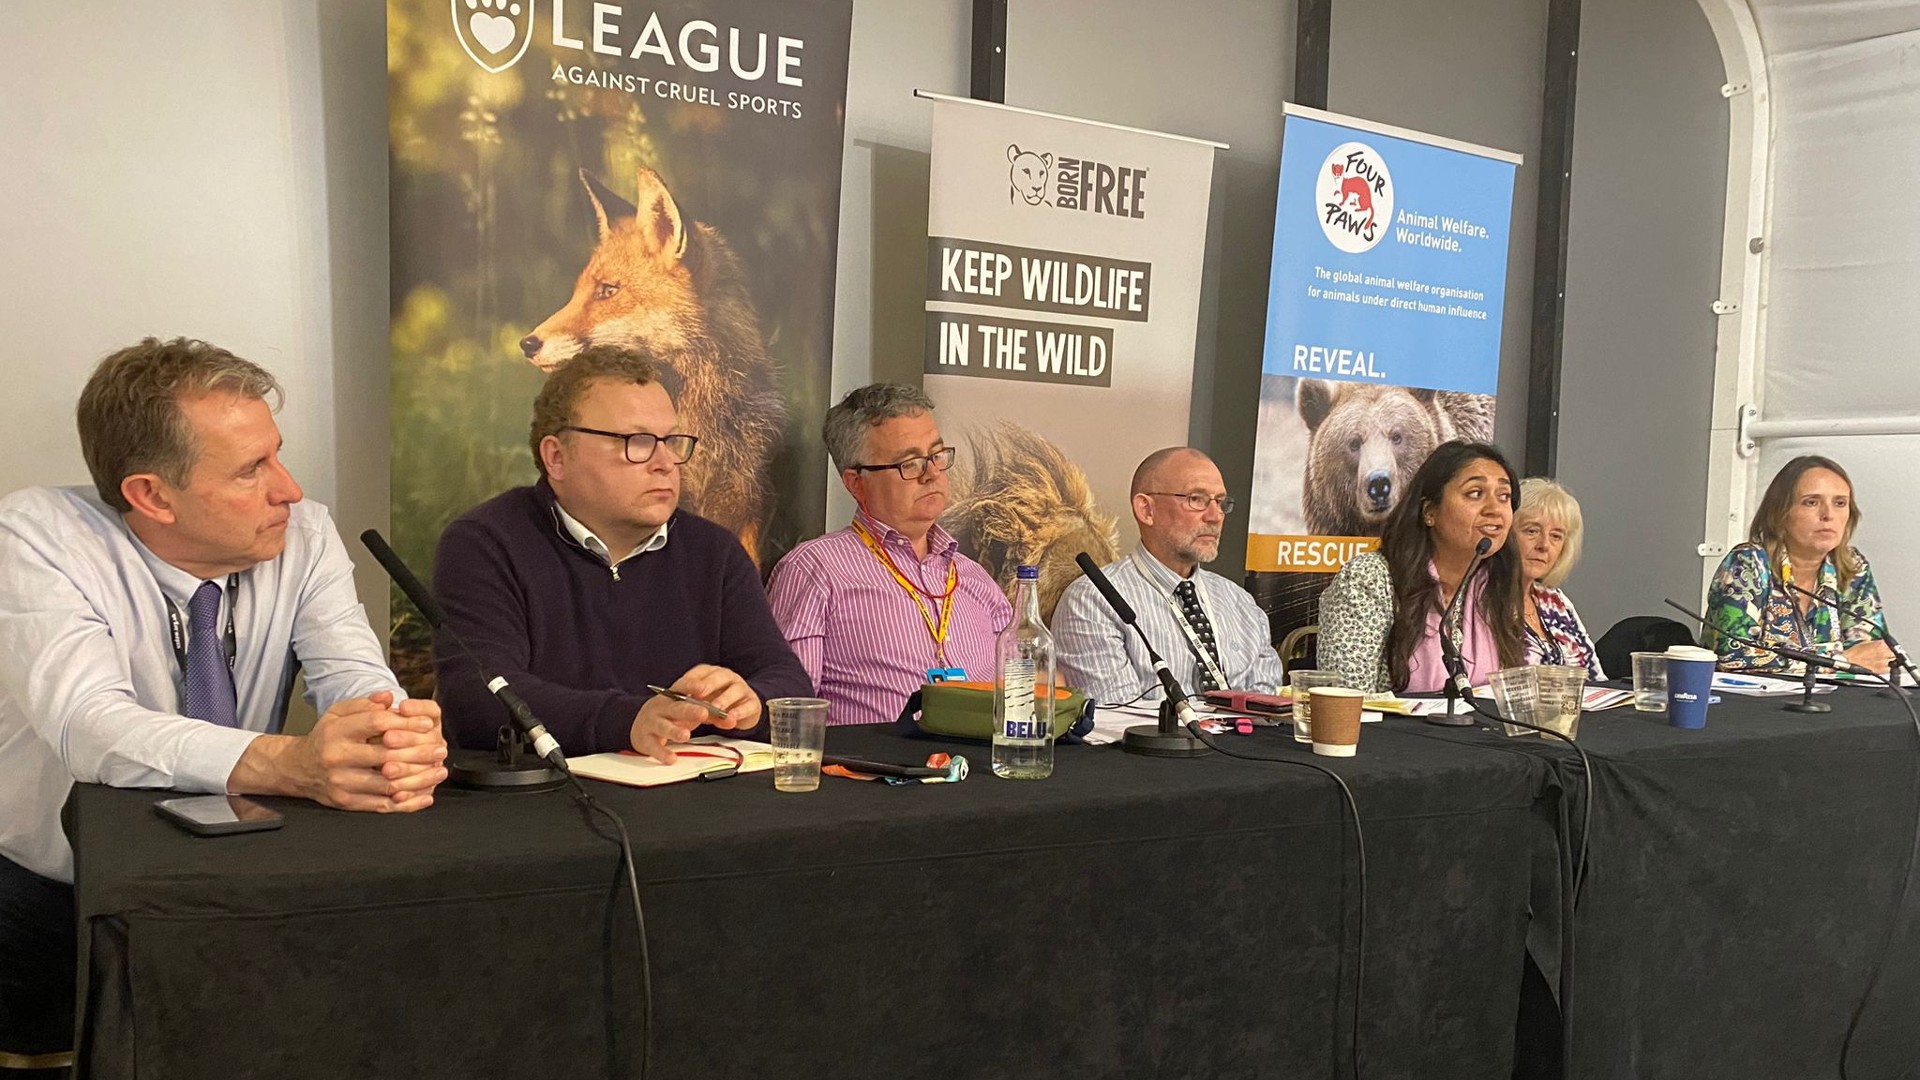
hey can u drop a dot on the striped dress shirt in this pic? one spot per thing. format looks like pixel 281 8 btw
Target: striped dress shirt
pixel 1095 652
pixel 862 637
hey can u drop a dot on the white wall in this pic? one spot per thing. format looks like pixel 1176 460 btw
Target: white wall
pixel 199 175
pixel 1844 243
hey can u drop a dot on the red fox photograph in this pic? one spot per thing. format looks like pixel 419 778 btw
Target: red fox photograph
pixel 561 179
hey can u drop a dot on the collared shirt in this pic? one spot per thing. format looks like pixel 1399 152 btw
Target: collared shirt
pixel 861 636
pixel 585 538
pixel 1095 652
pixel 90 688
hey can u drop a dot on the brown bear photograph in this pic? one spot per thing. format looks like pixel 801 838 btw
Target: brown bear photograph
pixel 1352 446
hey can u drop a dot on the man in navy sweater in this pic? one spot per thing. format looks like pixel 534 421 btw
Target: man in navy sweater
pixel 591 584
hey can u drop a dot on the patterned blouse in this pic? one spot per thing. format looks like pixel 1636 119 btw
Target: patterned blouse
pixel 1566 640
pixel 1356 616
pixel 1748 599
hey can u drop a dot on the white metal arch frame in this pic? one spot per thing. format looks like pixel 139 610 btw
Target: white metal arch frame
pixel 1739 347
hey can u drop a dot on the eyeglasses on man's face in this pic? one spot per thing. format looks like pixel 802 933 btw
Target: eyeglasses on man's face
pixel 641 445
pixel 914 468
pixel 1198 501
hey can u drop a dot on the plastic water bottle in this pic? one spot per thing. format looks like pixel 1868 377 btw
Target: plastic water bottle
pixel 1023 687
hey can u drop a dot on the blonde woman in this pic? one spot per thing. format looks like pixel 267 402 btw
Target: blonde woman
pixel 1547 530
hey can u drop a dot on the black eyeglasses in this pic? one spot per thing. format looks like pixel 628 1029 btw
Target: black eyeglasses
pixel 914 467
pixel 641 445
pixel 1197 501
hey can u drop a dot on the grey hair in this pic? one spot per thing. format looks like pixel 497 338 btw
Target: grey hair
pixel 846 426
pixel 1547 502
pixel 129 414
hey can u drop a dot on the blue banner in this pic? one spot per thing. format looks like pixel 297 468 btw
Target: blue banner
pixel 1389 260
pixel 1383 337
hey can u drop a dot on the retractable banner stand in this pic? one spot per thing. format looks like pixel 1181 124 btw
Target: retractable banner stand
pixel 661 176
pixel 1063 288
pixel 1383 338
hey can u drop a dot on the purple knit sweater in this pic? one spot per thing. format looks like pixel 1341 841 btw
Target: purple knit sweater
pixel 579 643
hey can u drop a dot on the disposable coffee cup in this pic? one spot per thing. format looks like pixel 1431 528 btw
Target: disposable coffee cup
pixel 1336 720
pixel 1689 685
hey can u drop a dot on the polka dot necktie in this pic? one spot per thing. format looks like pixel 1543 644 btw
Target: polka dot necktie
pixel 209 691
pixel 1202 628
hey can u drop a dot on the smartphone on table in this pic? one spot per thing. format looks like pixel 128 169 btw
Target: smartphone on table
pixel 218 815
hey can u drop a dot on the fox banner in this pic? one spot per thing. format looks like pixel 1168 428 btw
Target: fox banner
pixel 663 176
pixel 1063 289
pixel 1383 338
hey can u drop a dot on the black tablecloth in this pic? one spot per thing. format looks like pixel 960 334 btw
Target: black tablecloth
pixel 1742 879
pixel 1127 917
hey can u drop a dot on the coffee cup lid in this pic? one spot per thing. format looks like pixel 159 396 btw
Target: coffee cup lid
pixel 1691 652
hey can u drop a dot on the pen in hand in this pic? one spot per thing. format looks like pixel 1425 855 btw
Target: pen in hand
pixel 713 710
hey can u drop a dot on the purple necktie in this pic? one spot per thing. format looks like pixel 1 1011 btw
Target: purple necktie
pixel 209 694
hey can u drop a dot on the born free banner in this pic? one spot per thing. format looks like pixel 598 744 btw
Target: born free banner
pixel 1064 261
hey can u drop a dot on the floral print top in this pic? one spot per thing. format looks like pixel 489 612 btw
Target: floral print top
pixel 1749 599
pixel 1566 640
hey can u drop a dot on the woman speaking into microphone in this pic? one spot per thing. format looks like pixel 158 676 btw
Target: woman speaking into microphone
pixel 1800 542
pixel 1380 620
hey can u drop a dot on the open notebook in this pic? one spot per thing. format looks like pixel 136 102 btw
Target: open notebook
pixel 707 755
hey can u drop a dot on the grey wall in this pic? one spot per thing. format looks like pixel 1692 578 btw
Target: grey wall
pixel 1649 191
pixel 1471 70
pixel 1219 71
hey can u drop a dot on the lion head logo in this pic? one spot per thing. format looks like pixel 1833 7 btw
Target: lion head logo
pixel 1028 175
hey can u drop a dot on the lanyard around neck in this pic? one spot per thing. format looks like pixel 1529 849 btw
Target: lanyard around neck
pixel 178 625
pixel 1174 608
pixel 943 601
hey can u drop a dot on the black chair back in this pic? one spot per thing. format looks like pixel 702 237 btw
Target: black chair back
pixel 1639 633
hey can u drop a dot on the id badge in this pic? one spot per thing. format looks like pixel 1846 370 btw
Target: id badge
pixel 946 674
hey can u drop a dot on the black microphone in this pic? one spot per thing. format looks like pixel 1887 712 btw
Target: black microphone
pixel 1811 659
pixel 1176 697
pixel 1458 684
pixel 1893 644
pixel 543 743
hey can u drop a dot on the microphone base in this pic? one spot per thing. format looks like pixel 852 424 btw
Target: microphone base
pixel 1465 718
pixel 1148 739
pixel 1807 707
pixel 482 770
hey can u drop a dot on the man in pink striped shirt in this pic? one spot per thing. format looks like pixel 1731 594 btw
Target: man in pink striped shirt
pixel 874 609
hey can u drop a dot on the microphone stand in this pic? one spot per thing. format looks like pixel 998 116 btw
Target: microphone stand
pixel 1811 660
pixel 1900 657
pixel 1173 736
pixel 1455 664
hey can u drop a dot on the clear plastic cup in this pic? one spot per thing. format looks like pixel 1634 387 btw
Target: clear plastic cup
pixel 799 729
pixel 1302 683
pixel 1650 682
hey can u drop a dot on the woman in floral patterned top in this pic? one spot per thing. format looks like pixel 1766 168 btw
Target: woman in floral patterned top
pixel 1801 538
pixel 1380 618
pixel 1548 533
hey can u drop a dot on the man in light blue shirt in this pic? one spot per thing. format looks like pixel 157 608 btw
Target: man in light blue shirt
pixel 1210 632
pixel 150 629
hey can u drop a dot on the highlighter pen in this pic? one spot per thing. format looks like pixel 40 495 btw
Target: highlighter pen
pixel 714 710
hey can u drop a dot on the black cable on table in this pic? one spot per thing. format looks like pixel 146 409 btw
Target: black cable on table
pixel 585 799
pixel 1360 847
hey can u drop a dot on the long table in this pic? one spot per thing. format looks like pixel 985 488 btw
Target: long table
pixel 1742 879
pixel 1128 917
